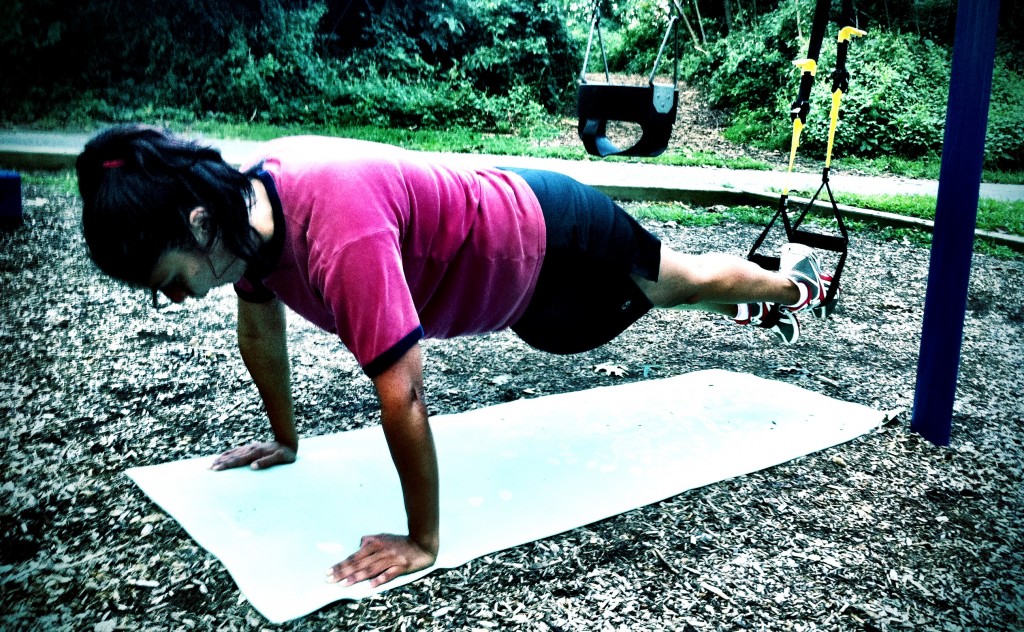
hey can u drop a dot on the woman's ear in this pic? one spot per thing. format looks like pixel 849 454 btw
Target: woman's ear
pixel 199 220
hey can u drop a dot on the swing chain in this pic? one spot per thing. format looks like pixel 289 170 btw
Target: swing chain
pixel 595 26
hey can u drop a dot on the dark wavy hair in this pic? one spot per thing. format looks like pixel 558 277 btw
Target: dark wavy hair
pixel 138 186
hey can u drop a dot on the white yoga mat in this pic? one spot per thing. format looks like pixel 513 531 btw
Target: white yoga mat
pixel 510 474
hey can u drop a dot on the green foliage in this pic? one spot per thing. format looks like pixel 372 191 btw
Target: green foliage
pixel 896 105
pixel 521 43
pixel 750 74
pixel 745 71
pixel 1000 216
pixel 897 99
pixel 118 58
pixel 271 71
pixel 635 41
pixel 500 66
pixel 492 64
pixel 999 176
pixel 1004 143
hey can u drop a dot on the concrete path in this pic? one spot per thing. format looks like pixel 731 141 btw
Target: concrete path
pixel 45 149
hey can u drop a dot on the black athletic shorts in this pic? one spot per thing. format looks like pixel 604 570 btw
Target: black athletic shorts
pixel 585 295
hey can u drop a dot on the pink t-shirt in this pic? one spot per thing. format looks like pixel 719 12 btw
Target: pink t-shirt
pixel 383 246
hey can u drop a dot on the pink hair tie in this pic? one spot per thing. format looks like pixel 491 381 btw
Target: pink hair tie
pixel 112 164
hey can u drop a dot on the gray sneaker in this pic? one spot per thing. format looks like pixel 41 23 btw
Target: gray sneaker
pixel 782 325
pixel 799 263
pixel 828 308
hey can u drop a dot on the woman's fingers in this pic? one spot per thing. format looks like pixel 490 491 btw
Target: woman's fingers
pixel 234 457
pixel 258 455
pixel 380 559
pixel 280 456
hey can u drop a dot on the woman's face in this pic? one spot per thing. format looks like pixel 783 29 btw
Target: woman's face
pixel 180 274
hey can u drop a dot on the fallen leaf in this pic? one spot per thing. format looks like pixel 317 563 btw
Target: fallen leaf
pixel 613 370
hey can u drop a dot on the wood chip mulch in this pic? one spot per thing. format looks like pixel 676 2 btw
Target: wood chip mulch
pixel 887 532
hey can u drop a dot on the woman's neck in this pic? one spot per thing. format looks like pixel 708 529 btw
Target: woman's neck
pixel 261 214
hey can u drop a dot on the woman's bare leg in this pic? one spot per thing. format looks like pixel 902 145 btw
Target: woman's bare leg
pixel 715 282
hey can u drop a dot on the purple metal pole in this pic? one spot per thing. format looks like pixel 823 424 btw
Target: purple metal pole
pixel 10 200
pixel 956 211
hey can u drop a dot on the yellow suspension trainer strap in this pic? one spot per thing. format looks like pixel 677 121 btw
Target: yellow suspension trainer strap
pixel 840 83
pixel 800 109
pixel 798 112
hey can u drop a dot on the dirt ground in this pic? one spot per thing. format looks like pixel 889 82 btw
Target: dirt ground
pixel 886 532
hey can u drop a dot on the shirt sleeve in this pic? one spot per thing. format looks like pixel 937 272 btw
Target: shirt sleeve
pixel 364 286
pixel 253 291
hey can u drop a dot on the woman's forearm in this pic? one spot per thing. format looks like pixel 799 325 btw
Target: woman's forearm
pixel 412 449
pixel 263 345
pixel 407 430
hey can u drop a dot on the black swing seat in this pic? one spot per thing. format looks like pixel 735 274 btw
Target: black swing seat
pixel 653 107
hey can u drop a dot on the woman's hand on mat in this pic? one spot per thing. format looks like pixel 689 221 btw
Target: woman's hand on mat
pixel 380 559
pixel 257 455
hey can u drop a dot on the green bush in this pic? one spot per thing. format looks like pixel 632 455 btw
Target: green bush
pixel 897 102
pixel 521 43
pixel 496 65
pixel 491 45
pixel 271 71
pixel 896 105
pixel 750 75
pixel 635 36
pixel 632 33
pixel 439 63
pixel 751 69
pixel 1004 143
